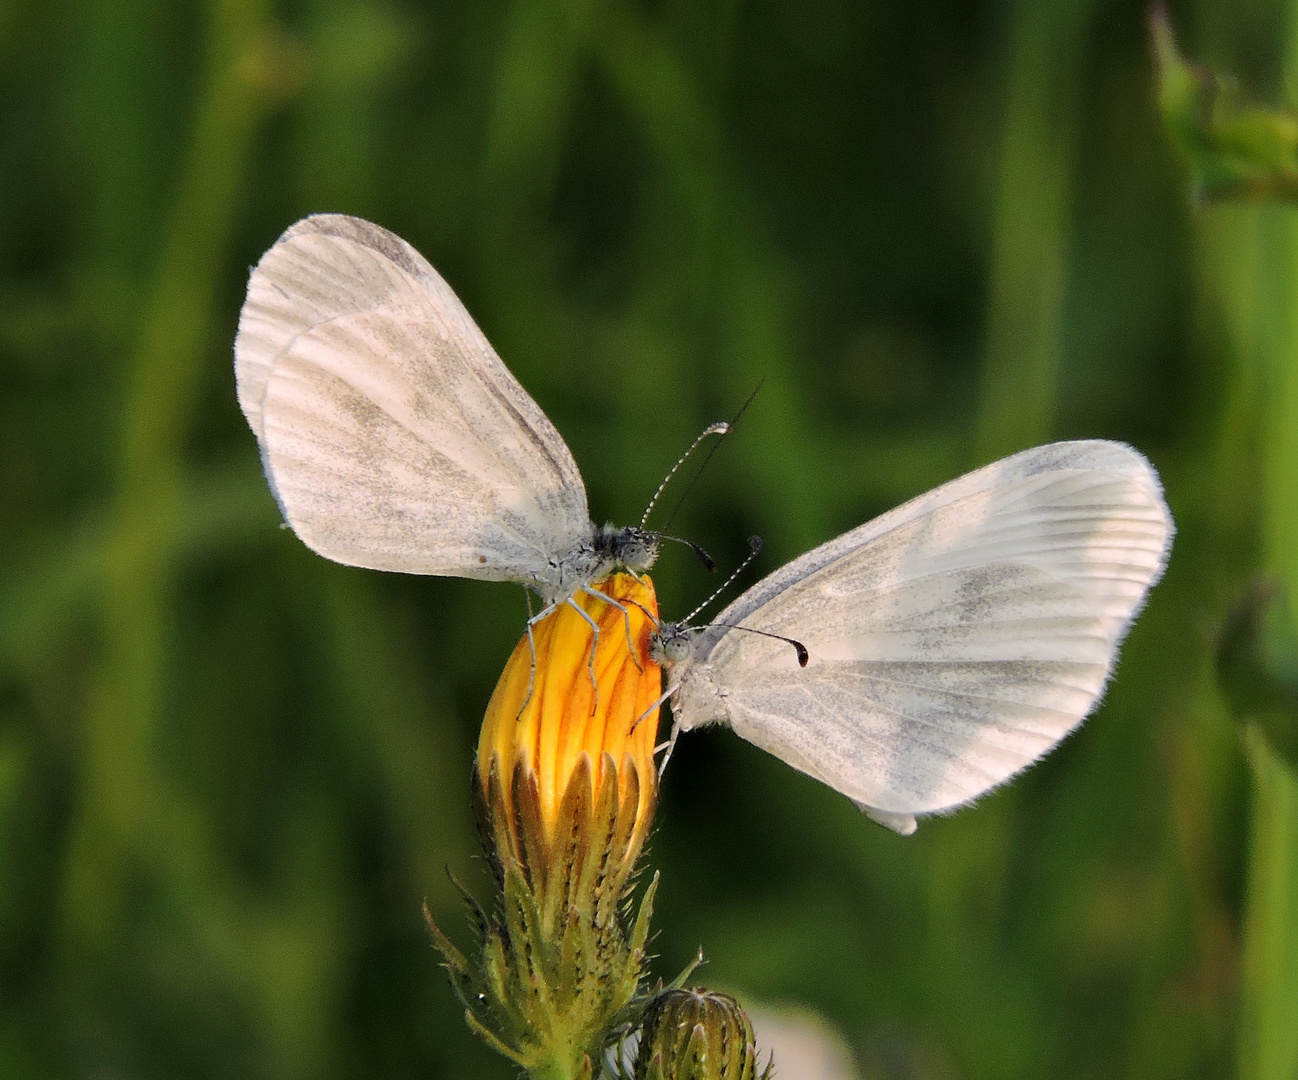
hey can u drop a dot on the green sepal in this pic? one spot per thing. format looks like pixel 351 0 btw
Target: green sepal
pixel 527 833
pixel 465 978
pixel 452 956
pixel 473 991
pixel 561 958
pixel 640 930
pixel 694 1058
pixel 496 968
pixel 494 1041
pixel 686 972
pixel 480 921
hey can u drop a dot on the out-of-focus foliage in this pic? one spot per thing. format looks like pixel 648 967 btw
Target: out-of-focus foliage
pixel 1235 150
pixel 1257 666
pixel 230 772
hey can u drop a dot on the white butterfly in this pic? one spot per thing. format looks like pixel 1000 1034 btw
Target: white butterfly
pixel 392 435
pixel 948 643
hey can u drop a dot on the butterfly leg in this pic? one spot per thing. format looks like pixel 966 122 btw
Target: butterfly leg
pixel 647 613
pixel 644 715
pixel 531 644
pixel 669 745
pixel 626 619
pixel 594 629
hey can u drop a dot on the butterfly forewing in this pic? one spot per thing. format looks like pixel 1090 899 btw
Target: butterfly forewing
pixel 953 640
pixel 392 434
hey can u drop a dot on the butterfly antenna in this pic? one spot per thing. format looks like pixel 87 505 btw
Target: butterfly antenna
pixel 755 546
pixel 711 429
pixel 708 563
pixel 704 464
pixel 798 647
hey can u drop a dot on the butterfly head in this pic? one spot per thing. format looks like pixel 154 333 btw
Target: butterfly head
pixel 671 643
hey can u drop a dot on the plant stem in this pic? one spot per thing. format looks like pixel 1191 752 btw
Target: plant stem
pixel 1269 1017
pixel 1033 219
pixel 1255 257
pixel 1268 1033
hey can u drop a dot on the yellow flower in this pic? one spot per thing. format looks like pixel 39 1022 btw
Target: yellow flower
pixel 570 725
pixel 566 786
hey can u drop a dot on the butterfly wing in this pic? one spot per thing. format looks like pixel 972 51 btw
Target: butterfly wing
pixel 392 434
pixel 952 641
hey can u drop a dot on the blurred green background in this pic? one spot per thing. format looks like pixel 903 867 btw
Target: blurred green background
pixel 940 231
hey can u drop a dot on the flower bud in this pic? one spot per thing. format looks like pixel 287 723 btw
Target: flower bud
pixel 579 710
pixel 697 1035
pixel 566 786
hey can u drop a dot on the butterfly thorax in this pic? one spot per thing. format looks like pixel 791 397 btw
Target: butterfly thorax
pixel 608 551
pixel 629 548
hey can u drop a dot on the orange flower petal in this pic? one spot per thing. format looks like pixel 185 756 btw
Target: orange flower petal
pixel 567 717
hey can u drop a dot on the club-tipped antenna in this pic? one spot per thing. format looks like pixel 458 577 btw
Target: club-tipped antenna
pixel 704 463
pixel 709 564
pixel 798 647
pixel 755 546
pixel 712 429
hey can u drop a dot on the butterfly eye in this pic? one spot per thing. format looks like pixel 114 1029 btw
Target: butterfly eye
pixel 671 644
pixel 677 649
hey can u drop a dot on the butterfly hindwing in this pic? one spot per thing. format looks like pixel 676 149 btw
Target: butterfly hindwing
pixel 953 640
pixel 392 434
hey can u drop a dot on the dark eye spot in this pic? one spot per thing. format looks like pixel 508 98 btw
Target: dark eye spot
pixel 482 559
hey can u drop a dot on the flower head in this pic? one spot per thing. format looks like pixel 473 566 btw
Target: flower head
pixel 581 704
pixel 566 787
